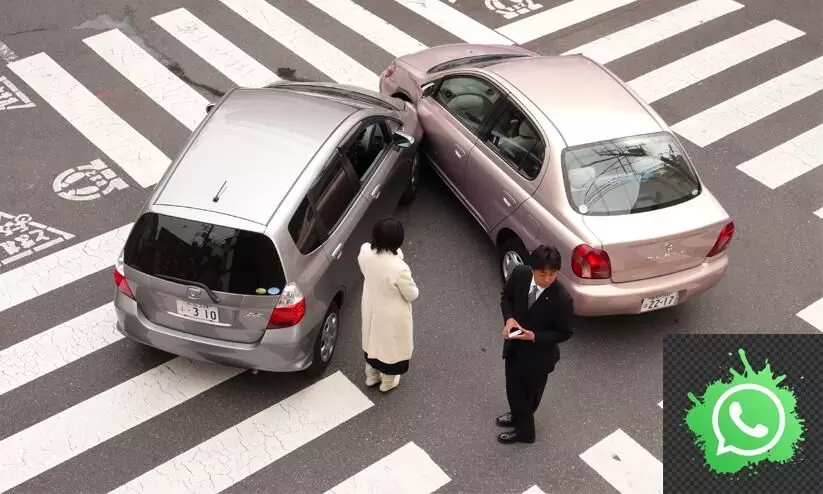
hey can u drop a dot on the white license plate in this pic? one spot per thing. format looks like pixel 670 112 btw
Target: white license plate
pixel 199 312
pixel 660 302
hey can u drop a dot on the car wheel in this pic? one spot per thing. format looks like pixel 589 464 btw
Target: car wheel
pixel 512 254
pixel 326 342
pixel 414 182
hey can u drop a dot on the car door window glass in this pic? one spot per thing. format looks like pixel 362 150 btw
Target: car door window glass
pixel 515 138
pixel 334 192
pixel 367 147
pixel 303 228
pixel 470 99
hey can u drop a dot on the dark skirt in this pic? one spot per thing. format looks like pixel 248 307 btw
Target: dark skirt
pixel 395 369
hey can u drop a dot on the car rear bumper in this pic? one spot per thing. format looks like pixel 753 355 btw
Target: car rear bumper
pixel 280 350
pixel 626 298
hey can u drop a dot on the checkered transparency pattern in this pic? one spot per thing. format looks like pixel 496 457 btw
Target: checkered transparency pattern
pixel 693 361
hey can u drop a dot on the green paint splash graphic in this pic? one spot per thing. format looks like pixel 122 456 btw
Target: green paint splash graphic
pixel 745 421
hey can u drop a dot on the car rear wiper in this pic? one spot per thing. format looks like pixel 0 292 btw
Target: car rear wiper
pixel 210 293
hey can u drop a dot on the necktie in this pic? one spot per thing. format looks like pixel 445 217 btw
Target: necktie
pixel 532 295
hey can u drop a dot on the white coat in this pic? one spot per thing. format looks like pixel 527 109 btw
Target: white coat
pixel 386 307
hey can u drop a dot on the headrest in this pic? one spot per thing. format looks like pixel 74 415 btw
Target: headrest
pixel 526 130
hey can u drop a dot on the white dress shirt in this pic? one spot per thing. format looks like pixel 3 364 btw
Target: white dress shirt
pixel 533 286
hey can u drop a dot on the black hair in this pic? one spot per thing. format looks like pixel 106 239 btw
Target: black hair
pixel 387 235
pixel 545 257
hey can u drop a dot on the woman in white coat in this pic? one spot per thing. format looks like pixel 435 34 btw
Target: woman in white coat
pixel 386 307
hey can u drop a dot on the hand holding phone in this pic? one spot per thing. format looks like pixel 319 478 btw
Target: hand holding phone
pixel 516 332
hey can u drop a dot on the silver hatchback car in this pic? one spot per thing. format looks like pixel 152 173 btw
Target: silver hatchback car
pixel 246 249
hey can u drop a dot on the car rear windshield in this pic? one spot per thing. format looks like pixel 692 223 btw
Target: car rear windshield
pixel 224 259
pixel 629 175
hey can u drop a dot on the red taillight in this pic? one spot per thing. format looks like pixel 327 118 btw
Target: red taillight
pixel 291 307
pixel 591 263
pixel 389 70
pixel 122 284
pixel 723 240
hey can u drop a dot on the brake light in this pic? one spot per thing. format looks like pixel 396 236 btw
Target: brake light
pixel 120 280
pixel 389 70
pixel 591 263
pixel 291 307
pixel 723 240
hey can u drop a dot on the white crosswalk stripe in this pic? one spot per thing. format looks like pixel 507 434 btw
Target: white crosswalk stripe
pixel 257 441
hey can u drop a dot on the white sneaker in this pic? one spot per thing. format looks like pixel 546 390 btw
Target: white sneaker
pixel 388 383
pixel 372 376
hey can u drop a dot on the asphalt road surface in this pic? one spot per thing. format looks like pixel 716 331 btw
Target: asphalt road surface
pixel 85 87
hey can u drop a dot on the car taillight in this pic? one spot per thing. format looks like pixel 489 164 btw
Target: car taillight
pixel 290 308
pixel 591 263
pixel 120 280
pixel 389 70
pixel 723 240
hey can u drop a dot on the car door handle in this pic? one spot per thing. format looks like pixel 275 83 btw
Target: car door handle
pixel 459 152
pixel 506 202
pixel 337 252
pixel 375 193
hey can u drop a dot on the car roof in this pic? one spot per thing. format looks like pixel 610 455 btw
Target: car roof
pixel 583 100
pixel 251 151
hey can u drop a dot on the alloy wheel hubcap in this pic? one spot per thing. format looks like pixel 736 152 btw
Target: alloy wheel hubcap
pixel 328 337
pixel 511 260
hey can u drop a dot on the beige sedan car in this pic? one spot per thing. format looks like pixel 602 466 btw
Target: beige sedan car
pixel 558 150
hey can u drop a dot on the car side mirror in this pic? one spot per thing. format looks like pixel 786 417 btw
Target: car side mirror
pixel 209 107
pixel 402 140
pixel 428 89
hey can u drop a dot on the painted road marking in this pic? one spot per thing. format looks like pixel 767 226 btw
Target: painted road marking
pixel 660 404
pixel 755 104
pixel 56 270
pixel 787 161
pixel 255 443
pixel 6 54
pixel 564 15
pixel 370 26
pixel 304 43
pixel 12 98
pixel 69 433
pixel 21 237
pixel 625 464
pixel 99 180
pixel 819 213
pixel 408 470
pixel 215 49
pixel 657 29
pixel 813 314
pixel 150 76
pixel 455 22
pixel 534 490
pixel 516 9
pixel 125 146
pixel 56 347
pixel 712 60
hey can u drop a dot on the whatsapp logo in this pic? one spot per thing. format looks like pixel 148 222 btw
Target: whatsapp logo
pixel 746 420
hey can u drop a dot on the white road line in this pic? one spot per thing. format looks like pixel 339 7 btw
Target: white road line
pixel 6 54
pixel 813 314
pixel 660 404
pixel 53 271
pixel 626 465
pixel 759 102
pixel 132 152
pixel 302 42
pixel 255 443
pixel 61 345
pixel 552 20
pixel 370 26
pixel 534 490
pixel 819 213
pixel 150 76
pixel 69 433
pixel 455 22
pixel 215 49
pixel 408 470
pixel 657 29
pixel 787 161
pixel 712 60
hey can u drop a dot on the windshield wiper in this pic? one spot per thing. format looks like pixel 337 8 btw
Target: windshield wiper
pixel 210 293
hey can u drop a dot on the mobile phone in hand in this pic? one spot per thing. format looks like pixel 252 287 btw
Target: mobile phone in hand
pixel 517 332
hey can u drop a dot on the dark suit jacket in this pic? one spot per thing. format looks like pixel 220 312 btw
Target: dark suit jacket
pixel 549 318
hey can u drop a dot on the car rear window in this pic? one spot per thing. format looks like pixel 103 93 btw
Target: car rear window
pixel 629 175
pixel 224 259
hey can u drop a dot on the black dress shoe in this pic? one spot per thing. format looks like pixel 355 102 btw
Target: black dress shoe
pixel 504 420
pixel 511 437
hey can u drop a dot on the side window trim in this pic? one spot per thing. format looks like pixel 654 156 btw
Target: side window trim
pixel 488 118
pixel 505 105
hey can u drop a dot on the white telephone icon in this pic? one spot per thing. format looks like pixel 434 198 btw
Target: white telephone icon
pixel 735 411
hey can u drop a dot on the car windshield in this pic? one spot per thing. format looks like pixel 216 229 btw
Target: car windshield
pixel 628 175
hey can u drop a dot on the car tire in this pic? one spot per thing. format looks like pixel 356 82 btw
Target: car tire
pixel 326 342
pixel 414 182
pixel 511 253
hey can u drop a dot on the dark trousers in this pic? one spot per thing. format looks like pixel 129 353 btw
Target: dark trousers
pixel 524 391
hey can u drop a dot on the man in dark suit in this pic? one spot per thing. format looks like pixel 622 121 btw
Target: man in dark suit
pixel 541 309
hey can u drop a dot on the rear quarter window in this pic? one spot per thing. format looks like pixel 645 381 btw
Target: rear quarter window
pixel 225 259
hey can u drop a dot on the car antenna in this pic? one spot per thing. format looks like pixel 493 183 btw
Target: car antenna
pixel 222 188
